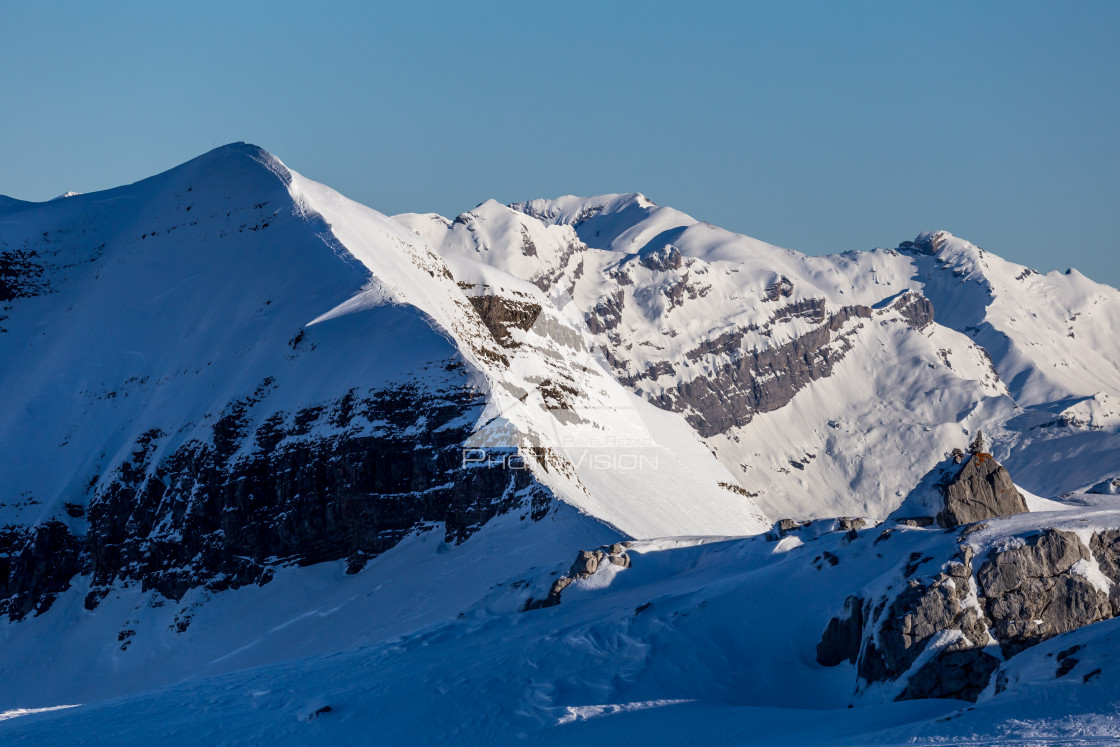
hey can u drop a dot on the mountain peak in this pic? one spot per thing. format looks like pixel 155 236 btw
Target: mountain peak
pixel 572 210
pixel 928 242
pixel 235 157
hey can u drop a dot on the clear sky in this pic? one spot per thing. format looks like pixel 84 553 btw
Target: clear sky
pixel 817 126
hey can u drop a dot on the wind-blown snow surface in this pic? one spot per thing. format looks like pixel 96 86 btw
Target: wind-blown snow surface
pixel 657 377
pixel 698 641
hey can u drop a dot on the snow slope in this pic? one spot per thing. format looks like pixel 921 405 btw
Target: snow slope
pixel 921 346
pixel 174 296
pixel 698 640
pixel 230 323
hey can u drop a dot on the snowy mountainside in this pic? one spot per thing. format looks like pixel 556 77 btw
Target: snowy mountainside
pixel 797 370
pixel 692 640
pixel 227 370
pixel 274 465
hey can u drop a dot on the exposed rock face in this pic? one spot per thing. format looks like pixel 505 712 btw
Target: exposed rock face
pixel 1033 592
pixel 886 639
pixel 909 623
pixel 755 381
pixel 607 314
pixel 1028 589
pixel 21 273
pixel 843 637
pixel 36 564
pixel 662 260
pixel 929 242
pixel 981 490
pixel 915 309
pixel 500 314
pixel 221 514
pixel 782 287
pixel 1105 547
pixel 960 675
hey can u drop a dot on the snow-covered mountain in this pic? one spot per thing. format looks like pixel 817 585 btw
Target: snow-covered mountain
pixel 249 421
pixel 227 370
pixel 798 371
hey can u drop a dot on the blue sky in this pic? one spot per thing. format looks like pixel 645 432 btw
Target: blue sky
pixel 817 126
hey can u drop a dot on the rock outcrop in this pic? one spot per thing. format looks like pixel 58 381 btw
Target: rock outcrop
pixel 906 625
pixel 975 612
pixel 960 674
pixel 1040 589
pixel 745 382
pixel 36 564
pixel 963 489
pixel 982 489
pixel 301 488
pixel 586 564
pixel 815 527
pixel 501 314
pixel 843 638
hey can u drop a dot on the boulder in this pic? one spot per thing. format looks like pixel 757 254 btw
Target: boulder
pixel 982 489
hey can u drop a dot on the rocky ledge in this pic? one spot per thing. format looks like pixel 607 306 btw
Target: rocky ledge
pixel 942 634
pixel 342 480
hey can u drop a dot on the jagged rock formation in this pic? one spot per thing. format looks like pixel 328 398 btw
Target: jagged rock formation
pixel 587 562
pixel 171 524
pixel 1042 588
pixel 981 490
pixel 963 489
pixel 974 615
